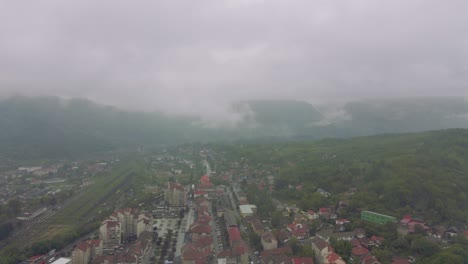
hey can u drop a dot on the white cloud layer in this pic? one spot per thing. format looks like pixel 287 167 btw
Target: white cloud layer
pixel 198 56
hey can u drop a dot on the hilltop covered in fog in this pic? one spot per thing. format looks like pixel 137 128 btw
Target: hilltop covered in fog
pixel 56 128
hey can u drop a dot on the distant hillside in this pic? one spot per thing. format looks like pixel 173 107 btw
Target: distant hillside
pixel 53 127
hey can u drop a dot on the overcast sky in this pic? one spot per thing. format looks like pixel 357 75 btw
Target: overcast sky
pixel 195 56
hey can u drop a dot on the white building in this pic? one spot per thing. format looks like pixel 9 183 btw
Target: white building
pixel 247 210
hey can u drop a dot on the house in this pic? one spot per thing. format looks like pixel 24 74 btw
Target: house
pixel 413 225
pixel 452 232
pixel 198 230
pixel 269 241
pixel 376 241
pixel 359 252
pixel 311 215
pixel 277 256
pixel 204 243
pixel 200 193
pixel 302 261
pixel 343 236
pixel 342 221
pixel 283 236
pixel 257 226
pixel 327 234
pixel 299 230
pixel 370 260
pixel 194 255
pixel 334 258
pixel 437 232
pixel 327 213
pixel 321 249
pixel 359 232
pixel 81 254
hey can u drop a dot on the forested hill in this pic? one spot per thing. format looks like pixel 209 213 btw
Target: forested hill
pixel 52 127
pixel 423 174
pixel 49 127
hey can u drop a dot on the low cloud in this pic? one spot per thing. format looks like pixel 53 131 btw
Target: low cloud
pixel 198 57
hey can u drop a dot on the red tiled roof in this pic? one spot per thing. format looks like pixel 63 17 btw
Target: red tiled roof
pixel 35 258
pixel 333 257
pixel 278 255
pixel 276 251
pixel 406 219
pixel 241 249
pixel 310 212
pixel 175 186
pixel 203 242
pixel 355 242
pixel 83 246
pixel 377 239
pixel 234 234
pixel 359 251
pixel 94 242
pixel 201 229
pixel 111 223
pixel 190 253
pixel 257 225
pixel 319 243
pixel 370 260
pixel 303 261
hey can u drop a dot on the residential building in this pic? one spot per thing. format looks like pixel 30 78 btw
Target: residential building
pixel 96 246
pixel 247 210
pixel 302 261
pixel 81 254
pixel 110 233
pixel 299 230
pixel 269 241
pixel 321 248
pixel 311 215
pixel 277 256
pixel 334 258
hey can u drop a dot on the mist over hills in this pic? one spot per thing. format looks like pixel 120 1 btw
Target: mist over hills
pixel 53 127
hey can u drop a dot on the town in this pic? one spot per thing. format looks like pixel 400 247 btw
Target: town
pixel 223 216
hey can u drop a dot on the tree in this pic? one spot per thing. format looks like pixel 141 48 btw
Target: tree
pixel 424 247
pixel 14 206
pixel 342 248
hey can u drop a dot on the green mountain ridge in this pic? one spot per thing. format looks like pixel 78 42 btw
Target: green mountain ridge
pixel 52 127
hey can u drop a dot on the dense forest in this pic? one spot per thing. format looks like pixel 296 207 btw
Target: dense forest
pixel 423 174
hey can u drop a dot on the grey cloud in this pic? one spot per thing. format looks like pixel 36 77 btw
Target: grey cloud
pixel 198 56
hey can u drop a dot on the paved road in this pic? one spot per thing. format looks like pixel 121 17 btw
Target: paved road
pixel 208 168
